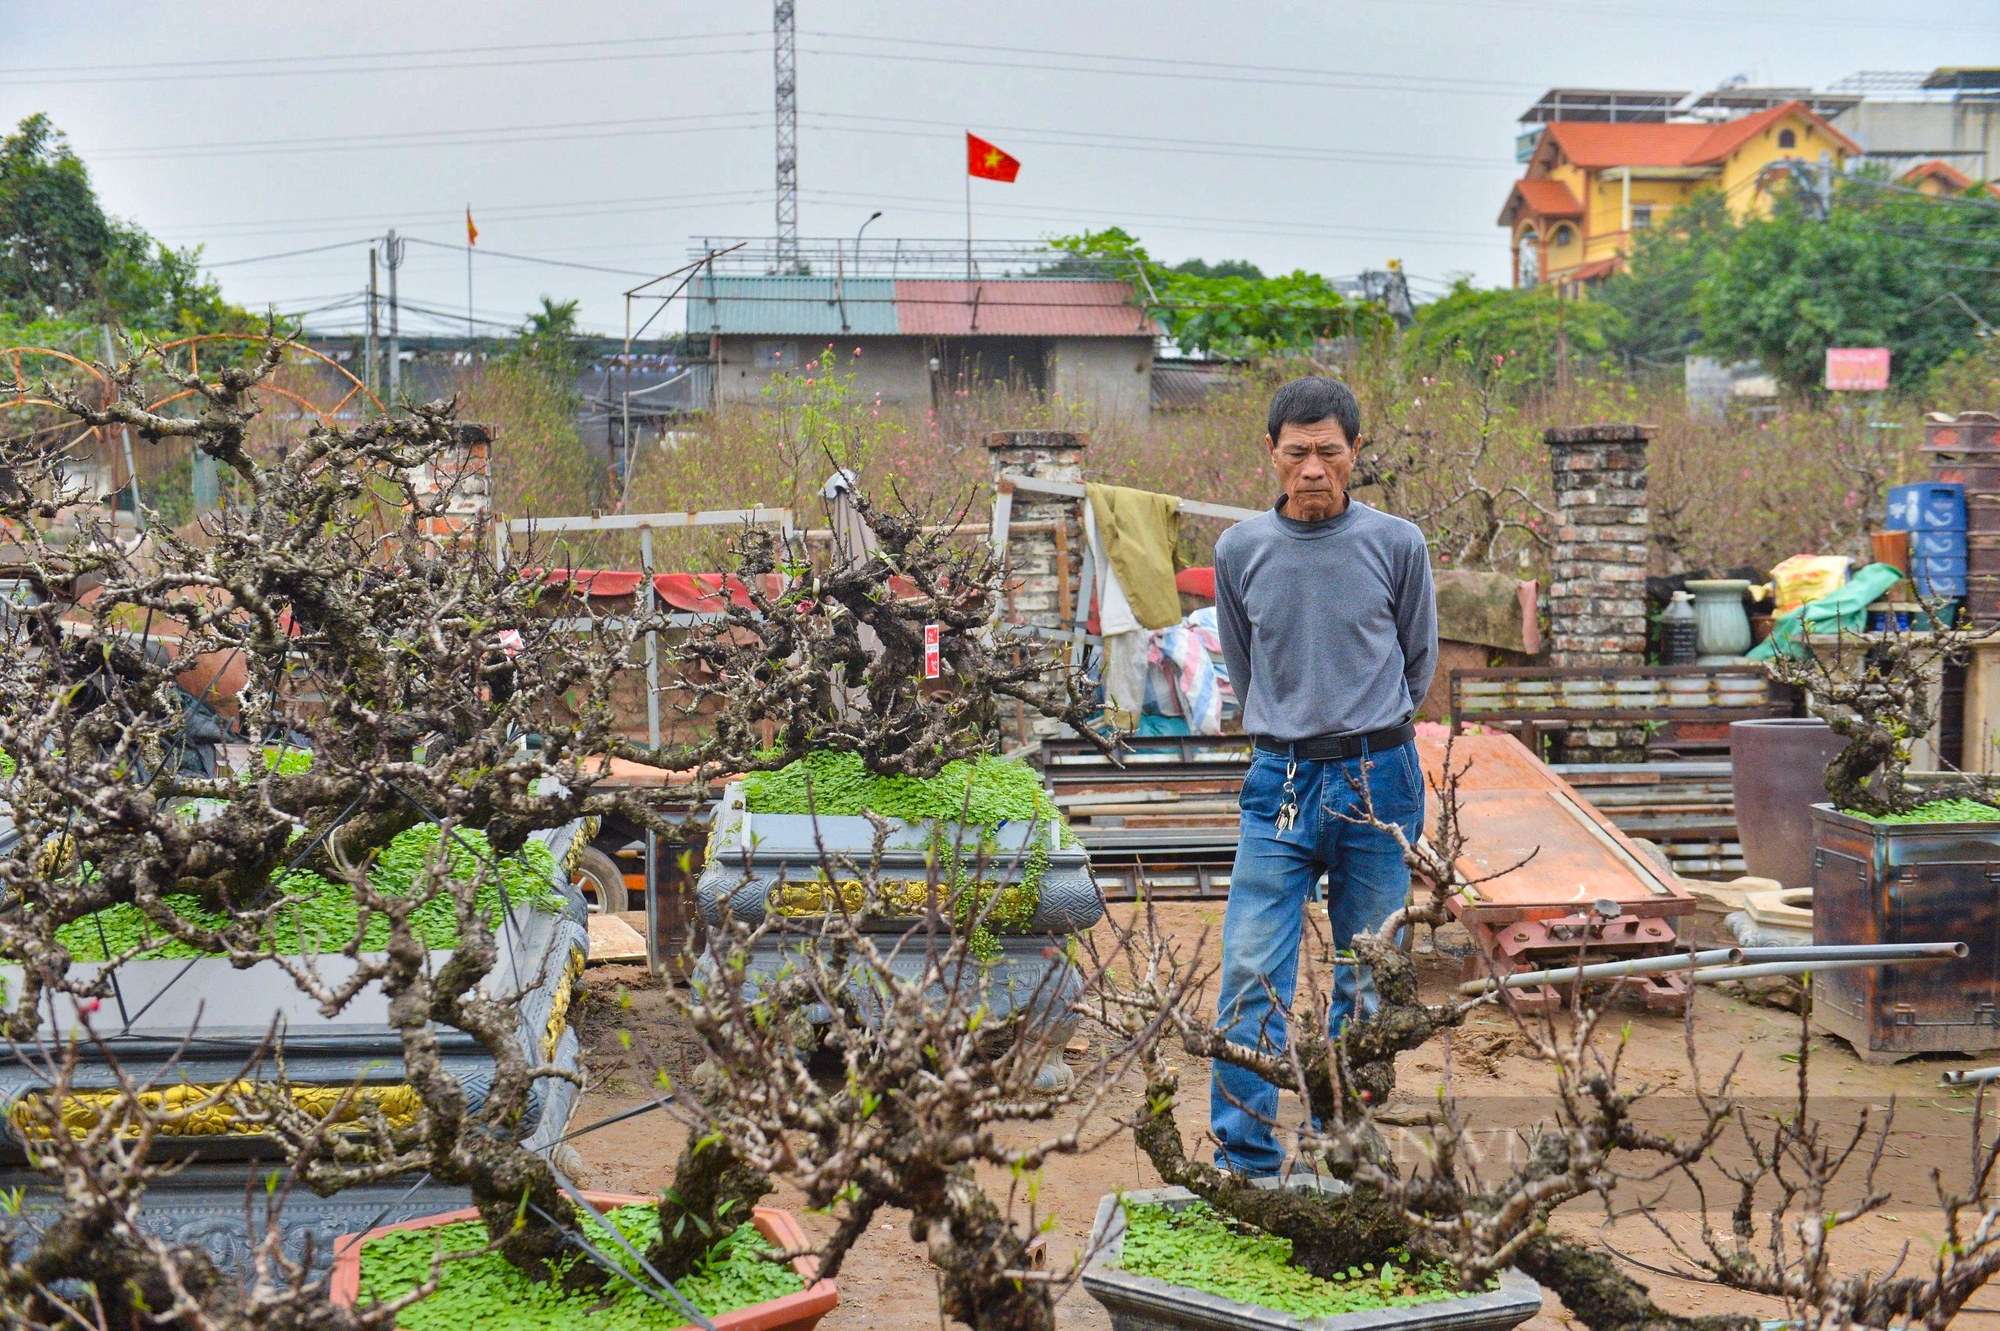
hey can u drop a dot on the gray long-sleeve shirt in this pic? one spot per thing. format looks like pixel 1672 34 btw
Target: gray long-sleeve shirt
pixel 1329 628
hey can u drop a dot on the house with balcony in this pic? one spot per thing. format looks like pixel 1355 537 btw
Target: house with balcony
pixel 1603 165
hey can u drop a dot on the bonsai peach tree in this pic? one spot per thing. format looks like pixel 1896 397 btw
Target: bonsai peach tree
pixel 391 672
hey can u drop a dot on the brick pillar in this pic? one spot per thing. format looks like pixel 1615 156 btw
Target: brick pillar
pixel 465 475
pixel 1597 597
pixel 1045 536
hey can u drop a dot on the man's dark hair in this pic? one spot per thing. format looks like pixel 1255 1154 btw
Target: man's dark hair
pixel 1311 400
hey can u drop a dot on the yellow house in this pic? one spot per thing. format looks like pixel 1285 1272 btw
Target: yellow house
pixel 1591 184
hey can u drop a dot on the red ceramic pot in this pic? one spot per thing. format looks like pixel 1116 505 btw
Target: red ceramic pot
pixel 793 1312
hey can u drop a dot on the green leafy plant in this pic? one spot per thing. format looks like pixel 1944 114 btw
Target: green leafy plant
pixel 488 1293
pixel 1198 1247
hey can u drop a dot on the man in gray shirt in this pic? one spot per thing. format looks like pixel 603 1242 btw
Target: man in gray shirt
pixel 1329 626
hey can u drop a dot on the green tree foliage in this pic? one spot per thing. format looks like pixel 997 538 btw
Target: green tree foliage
pixel 1222 268
pixel 1655 292
pixel 64 261
pixel 1885 269
pixel 1229 308
pixel 549 339
pixel 1514 334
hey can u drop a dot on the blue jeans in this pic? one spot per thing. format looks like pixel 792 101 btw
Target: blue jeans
pixel 1275 872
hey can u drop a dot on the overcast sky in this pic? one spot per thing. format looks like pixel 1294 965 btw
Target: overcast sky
pixel 1326 136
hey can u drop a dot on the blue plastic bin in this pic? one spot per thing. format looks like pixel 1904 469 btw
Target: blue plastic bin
pixel 1926 506
pixel 1938 575
pixel 1935 544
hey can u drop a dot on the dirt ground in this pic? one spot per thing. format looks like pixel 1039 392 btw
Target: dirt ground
pixel 887 1281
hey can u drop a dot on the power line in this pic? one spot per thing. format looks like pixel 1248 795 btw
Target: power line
pixel 1247 226
pixel 1958 199
pixel 440 138
pixel 1174 66
pixel 1352 82
pixel 374 65
pixel 291 254
pixel 1161 143
pixel 529 258
pixel 510 212
pixel 260 61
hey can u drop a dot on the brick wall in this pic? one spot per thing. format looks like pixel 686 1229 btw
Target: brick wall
pixel 1045 540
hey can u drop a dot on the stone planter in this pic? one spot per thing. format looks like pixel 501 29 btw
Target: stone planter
pixel 1146 1303
pixel 793 1312
pixel 756 857
pixel 541 957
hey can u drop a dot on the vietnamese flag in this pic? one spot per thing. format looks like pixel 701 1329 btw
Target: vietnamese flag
pixel 987 162
pixel 471 231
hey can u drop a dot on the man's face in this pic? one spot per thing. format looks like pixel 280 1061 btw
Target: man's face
pixel 1313 463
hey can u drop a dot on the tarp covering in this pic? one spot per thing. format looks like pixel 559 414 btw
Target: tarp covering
pixel 1842 611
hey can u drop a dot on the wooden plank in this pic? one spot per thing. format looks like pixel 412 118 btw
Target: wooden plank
pixel 1070 489
pixel 716 517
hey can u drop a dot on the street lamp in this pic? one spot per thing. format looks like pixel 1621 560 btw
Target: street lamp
pixel 857 237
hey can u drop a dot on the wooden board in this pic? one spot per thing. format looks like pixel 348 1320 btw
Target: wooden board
pixel 1513 808
pixel 613 940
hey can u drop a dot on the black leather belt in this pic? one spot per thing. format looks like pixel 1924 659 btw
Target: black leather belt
pixel 1337 748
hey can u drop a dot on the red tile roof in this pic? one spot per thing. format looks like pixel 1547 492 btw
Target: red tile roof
pixel 1596 145
pixel 1033 308
pixel 1541 198
pixel 1943 172
pixel 1733 134
pixel 1591 271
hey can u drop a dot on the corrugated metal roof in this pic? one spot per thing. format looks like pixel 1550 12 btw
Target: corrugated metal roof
pixel 1036 307
pixel 790 306
pixel 886 307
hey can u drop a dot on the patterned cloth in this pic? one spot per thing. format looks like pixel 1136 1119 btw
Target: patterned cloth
pixel 1180 660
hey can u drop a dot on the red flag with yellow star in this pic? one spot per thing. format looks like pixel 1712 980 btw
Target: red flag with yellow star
pixel 987 162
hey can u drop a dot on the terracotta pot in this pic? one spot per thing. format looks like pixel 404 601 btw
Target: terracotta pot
pixel 793 1312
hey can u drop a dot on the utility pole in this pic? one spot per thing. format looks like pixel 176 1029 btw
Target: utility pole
pixel 369 362
pixel 392 255
pixel 785 64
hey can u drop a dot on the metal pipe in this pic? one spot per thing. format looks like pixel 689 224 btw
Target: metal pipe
pixel 1607 970
pixel 1970 1077
pixel 1717 974
pixel 1855 952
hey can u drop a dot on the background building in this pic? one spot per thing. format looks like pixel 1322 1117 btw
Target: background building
pixel 1604 165
pixel 914 339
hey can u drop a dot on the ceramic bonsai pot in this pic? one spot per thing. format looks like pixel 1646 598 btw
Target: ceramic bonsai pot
pixel 1146 1303
pixel 755 858
pixel 541 957
pixel 793 1312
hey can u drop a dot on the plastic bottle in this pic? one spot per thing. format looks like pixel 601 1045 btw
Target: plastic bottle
pixel 1677 631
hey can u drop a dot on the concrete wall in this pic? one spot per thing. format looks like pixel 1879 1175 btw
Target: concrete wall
pixel 896 369
pixel 1111 377
pixel 1902 134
